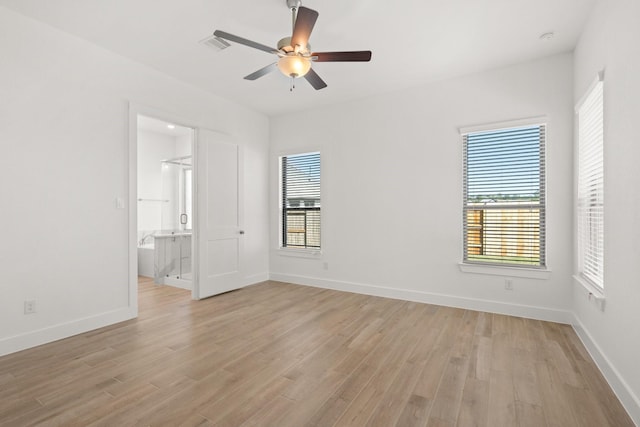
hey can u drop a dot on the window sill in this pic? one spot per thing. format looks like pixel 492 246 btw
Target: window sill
pixel 527 273
pixel 300 253
pixel 593 293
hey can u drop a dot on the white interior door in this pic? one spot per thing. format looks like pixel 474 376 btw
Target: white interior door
pixel 220 216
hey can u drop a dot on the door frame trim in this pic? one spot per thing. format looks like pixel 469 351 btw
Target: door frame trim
pixel 135 110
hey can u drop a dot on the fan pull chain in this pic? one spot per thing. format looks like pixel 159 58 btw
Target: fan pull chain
pixel 293 84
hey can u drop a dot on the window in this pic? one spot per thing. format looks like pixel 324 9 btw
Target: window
pixel 300 200
pixel 590 209
pixel 504 201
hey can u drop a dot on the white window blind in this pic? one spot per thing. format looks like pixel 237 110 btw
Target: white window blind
pixel 590 209
pixel 504 200
pixel 300 185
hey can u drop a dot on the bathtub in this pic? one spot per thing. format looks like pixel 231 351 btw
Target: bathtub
pixel 145 259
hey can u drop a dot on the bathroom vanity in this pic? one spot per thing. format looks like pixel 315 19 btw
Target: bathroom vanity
pixel 172 259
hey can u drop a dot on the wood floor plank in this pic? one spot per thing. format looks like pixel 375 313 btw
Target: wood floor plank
pixel 589 415
pixel 475 403
pixel 525 380
pixel 607 401
pixel 179 405
pixel 277 354
pixel 429 378
pixel 480 357
pixel 364 360
pixel 414 412
pixel 555 400
pixel 528 415
pixel 502 404
pixel 269 414
pixel 251 402
pixel 446 405
pixel 397 352
pixel 393 403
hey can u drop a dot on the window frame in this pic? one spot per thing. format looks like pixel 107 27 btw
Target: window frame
pixel 297 251
pixel 527 270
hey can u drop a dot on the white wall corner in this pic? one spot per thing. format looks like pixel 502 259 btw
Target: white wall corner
pixel 530 312
pixel 64 330
pixel 627 397
pixel 255 279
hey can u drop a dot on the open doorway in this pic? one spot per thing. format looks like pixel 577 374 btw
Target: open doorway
pixel 164 202
pixel 203 236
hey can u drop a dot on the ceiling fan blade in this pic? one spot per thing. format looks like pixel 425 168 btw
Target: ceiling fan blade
pixel 354 56
pixel 314 79
pixel 261 72
pixel 305 21
pixel 232 38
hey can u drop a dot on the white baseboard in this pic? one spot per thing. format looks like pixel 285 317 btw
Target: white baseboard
pixel 629 400
pixel 64 330
pixel 530 312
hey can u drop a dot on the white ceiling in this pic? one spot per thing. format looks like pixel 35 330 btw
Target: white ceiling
pixel 413 41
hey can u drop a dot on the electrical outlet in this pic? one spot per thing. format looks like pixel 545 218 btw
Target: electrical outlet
pixel 30 307
pixel 508 284
pixel 325 265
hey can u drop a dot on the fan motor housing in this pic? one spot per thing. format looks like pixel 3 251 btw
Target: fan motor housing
pixel 285 45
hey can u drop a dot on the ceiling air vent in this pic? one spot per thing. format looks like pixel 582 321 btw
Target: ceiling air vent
pixel 215 43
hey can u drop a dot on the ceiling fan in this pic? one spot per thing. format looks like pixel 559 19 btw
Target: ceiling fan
pixel 294 53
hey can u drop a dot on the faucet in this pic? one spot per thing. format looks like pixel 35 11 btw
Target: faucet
pixel 144 238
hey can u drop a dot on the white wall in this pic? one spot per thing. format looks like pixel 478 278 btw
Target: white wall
pixel 392 189
pixel 64 132
pixel 153 147
pixel 183 145
pixel 610 42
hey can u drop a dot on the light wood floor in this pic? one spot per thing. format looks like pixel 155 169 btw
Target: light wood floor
pixel 284 355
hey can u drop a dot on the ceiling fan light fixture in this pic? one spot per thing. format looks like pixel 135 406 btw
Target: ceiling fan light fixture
pixel 294 65
pixel 294 53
